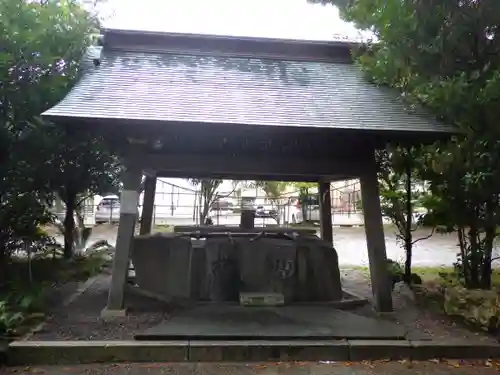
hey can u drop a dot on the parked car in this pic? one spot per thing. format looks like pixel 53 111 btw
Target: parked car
pixel 108 210
pixel 265 212
pixel 292 213
pixel 221 205
pixel 312 213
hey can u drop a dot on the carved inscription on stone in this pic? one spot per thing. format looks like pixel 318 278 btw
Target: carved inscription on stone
pixel 224 278
pixel 220 265
pixel 282 268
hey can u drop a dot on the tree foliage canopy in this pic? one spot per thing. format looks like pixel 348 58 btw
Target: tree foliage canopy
pixel 445 56
pixel 43 43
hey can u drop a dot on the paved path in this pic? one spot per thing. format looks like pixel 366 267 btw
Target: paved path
pixel 350 243
pixel 366 368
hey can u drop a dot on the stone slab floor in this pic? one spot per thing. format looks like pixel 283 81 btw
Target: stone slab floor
pixel 239 322
pixel 342 368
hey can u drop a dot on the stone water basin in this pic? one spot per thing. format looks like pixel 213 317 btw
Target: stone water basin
pixel 218 266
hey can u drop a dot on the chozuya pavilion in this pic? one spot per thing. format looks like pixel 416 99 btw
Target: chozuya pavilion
pixel 205 106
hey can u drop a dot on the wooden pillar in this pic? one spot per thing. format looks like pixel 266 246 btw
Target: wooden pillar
pixel 129 201
pixel 148 205
pixel 325 210
pixel 247 219
pixel 374 229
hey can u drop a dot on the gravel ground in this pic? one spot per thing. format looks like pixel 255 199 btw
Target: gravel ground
pixel 81 319
pixel 420 323
pixel 366 368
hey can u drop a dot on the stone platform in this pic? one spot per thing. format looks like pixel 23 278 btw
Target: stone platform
pixel 233 322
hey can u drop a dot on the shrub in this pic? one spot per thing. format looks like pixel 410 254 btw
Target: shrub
pixel 9 320
pixel 480 308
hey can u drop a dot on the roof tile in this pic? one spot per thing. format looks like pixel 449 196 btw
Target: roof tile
pixel 252 91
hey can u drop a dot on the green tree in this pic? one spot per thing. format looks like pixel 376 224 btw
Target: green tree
pixel 445 56
pixel 305 190
pixel 400 194
pixel 207 195
pixel 82 167
pixel 43 43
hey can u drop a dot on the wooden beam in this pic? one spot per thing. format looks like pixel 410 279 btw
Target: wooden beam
pixel 246 167
pixel 325 211
pixel 148 172
pixel 148 206
pixel 257 177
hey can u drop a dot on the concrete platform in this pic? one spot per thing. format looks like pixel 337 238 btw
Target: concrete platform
pixel 233 322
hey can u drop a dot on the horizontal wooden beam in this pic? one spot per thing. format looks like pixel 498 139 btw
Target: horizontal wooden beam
pixel 260 177
pixel 248 168
pixel 149 172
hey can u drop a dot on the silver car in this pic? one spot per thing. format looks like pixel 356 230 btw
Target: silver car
pixel 108 210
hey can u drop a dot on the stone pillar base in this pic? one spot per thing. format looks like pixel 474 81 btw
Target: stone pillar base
pixel 247 219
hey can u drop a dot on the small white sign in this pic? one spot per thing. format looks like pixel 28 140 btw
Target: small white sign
pixel 129 200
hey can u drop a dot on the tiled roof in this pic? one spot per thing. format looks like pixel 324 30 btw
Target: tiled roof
pixel 235 90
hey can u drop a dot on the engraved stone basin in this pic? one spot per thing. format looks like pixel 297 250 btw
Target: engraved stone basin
pixel 218 266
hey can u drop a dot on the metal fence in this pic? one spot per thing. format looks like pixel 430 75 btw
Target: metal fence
pixel 346 197
pixel 185 208
pixel 175 205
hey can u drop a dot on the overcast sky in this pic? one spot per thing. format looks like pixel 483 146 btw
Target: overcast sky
pixel 294 19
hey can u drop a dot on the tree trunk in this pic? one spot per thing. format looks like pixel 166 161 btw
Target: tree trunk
pixel 472 262
pixel 204 211
pixel 4 260
pixel 462 243
pixel 490 234
pixel 408 238
pixel 69 226
pixel 199 210
pixel 485 282
pixel 303 196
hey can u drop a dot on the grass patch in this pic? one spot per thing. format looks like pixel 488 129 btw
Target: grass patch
pixel 432 273
pixel 163 228
pixel 364 269
pixel 428 273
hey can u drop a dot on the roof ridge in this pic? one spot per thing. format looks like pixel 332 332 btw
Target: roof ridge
pixel 130 40
pixel 169 34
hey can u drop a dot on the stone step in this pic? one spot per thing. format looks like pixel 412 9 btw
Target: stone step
pixel 86 352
